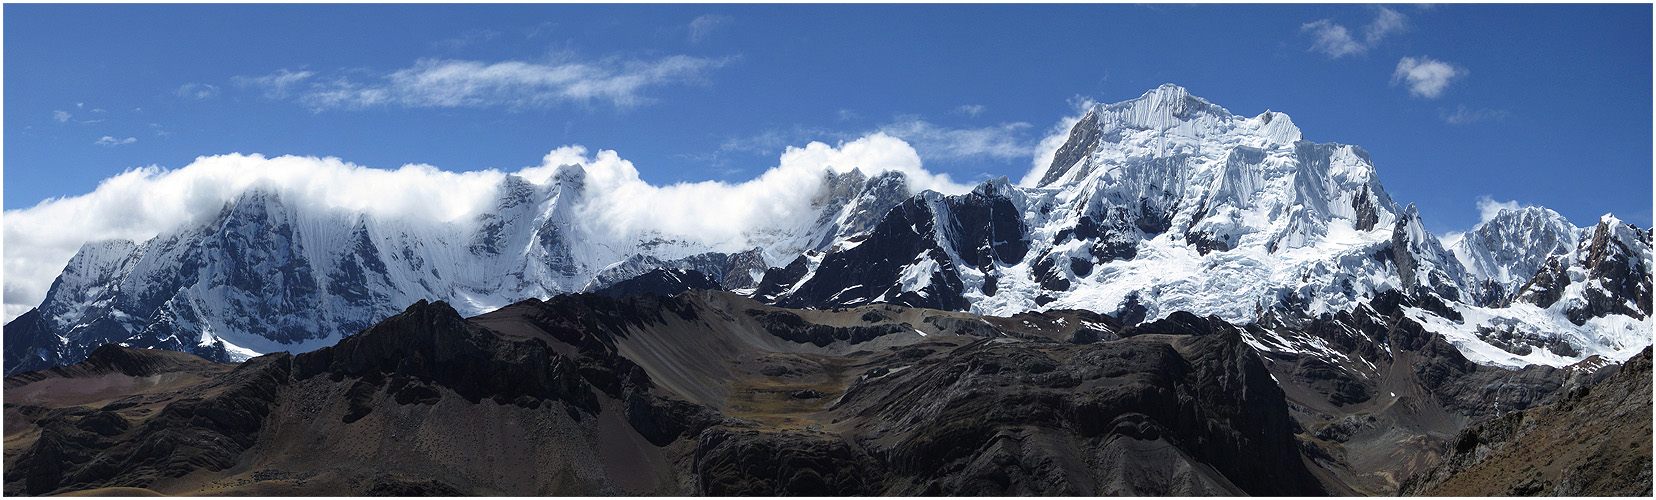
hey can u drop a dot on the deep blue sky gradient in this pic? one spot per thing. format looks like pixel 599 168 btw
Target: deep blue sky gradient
pixel 1565 91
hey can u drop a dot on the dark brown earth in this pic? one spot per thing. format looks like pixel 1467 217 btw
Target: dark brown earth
pixel 1595 441
pixel 710 393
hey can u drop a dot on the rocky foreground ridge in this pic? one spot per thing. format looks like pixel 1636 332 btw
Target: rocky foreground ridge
pixel 713 393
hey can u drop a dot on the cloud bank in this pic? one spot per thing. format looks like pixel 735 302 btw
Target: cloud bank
pixel 141 203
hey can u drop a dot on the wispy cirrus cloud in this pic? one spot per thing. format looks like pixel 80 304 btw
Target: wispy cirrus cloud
pixel 277 85
pixel 1424 76
pixel 704 25
pixel 200 91
pixel 112 141
pixel 451 83
pixel 971 110
pixel 61 116
pixel 1004 141
pixel 1336 41
pixel 1464 115
pixel 466 39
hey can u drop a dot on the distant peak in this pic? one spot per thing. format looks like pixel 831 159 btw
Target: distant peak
pixel 1168 91
pixel 573 174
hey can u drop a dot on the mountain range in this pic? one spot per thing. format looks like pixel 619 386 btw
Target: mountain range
pixel 1184 301
pixel 1153 205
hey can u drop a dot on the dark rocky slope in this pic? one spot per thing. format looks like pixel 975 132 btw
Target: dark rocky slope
pixel 711 393
pixel 704 393
pixel 1594 441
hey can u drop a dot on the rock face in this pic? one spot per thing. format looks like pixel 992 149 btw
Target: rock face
pixel 1594 441
pixel 661 281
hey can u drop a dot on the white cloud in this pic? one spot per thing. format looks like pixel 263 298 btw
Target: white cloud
pixel 1386 22
pixel 61 116
pixel 1488 208
pixel 723 213
pixel 1464 115
pixel 111 141
pixel 1425 77
pixel 276 85
pixel 141 203
pixel 447 83
pixel 1336 41
pixel 704 25
pixel 198 91
pixel 1332 39
pixel 943 143
pixel 971 110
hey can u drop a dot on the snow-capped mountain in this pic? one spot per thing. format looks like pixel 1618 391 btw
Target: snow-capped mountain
pixel 1506 251
pixel 267 275
pixel 1166 202
pixel 1169 203
pixel 1151 206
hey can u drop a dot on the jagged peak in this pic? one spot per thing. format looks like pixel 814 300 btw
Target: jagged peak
pixel 1163 107
pixel 570 176
pixel 994 187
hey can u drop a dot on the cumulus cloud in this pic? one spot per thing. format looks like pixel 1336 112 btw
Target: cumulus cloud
pixel 1464 115
pixel 111 141
pixel 944 143
pixel 704 25
pixel 141 203
pixel 1336 41
pixel 61 116
pixel 1386 22
pixel 1425 77
pixel 198 91
pixel 1332 39
pixel 1488 208
pixel 450 83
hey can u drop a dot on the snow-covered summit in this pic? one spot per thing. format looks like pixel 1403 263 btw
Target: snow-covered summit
pixel 1507 250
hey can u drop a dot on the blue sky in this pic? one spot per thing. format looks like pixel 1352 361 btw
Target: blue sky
pixel 1539 104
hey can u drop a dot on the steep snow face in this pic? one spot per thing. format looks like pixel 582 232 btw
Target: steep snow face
pixel 267 275
pixel 1506 251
